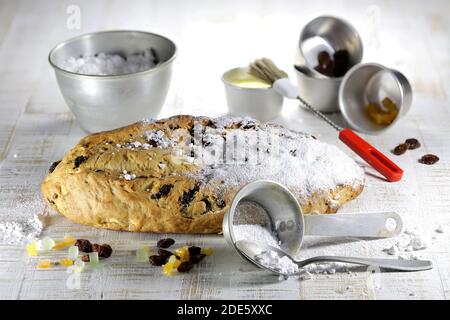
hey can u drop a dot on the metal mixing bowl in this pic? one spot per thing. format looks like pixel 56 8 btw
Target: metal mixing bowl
pixel 104 102
pixel 327 33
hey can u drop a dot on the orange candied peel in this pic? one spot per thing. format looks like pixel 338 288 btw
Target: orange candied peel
pixel 382 116
pixel 68 241
pixel 44 264
pixel 66 262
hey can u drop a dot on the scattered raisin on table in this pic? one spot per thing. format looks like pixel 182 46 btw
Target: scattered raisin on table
pixel 164 253
pixel 185 266
pixel 197 258
pixel 104 250
pixel 157 260
pixel 429 159
pixel 400 149
pixel 193 250
pixel 165 243
pixel 84 245
pixel 85 258
pixel 412 143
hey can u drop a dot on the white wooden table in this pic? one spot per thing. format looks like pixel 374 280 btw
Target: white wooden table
pixel 37 128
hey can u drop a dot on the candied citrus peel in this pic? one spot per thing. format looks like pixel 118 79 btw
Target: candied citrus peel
pixel 167 270
pixel 79 266
pixel 66 262
pixel 206 251
pixel 182 253
pixel 72 252
pixel 44 264
pixel 382 116
pixel 93 259
pixel 171 266
pixel 68 241
pixel 45 244
pixel 31 249
pixel 142 254
pixel 59 245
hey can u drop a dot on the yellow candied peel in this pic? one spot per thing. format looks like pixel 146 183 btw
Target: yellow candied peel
pixel 171 266
pixel 206 251
pixel 31 249
pixel 182 253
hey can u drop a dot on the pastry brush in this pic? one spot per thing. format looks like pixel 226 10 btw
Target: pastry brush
pixel 266 70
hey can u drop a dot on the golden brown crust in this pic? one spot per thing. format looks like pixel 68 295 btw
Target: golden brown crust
pixel 88 185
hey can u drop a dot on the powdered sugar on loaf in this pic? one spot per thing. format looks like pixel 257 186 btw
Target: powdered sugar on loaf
pixel 233 151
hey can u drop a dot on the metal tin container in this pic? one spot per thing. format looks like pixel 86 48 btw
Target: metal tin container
pixel 319 92
pixel 103 102
pixel 372 82
pixel 331 34
pixel 260 103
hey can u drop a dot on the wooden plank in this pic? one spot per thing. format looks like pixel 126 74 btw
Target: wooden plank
pixel 36 128
pixel 7 13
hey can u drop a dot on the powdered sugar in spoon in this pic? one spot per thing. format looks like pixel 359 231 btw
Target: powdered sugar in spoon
pixel 252 250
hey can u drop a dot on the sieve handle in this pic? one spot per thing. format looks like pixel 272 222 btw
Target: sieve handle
pixel 366 225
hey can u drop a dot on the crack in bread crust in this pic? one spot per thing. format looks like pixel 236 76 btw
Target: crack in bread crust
pixel 124 180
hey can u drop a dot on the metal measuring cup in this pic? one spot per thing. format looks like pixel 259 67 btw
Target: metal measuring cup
pixel 330 34
pixel 283 216
pixel 372 82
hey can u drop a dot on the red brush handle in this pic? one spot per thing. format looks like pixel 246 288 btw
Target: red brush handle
pixel 375 158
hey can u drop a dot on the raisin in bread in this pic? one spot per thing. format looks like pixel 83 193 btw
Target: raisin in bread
pixel 178 175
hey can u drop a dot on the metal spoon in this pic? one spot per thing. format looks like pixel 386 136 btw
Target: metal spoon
pixel 251 249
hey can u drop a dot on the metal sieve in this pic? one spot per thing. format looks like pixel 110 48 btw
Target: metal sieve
pixel 282 215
